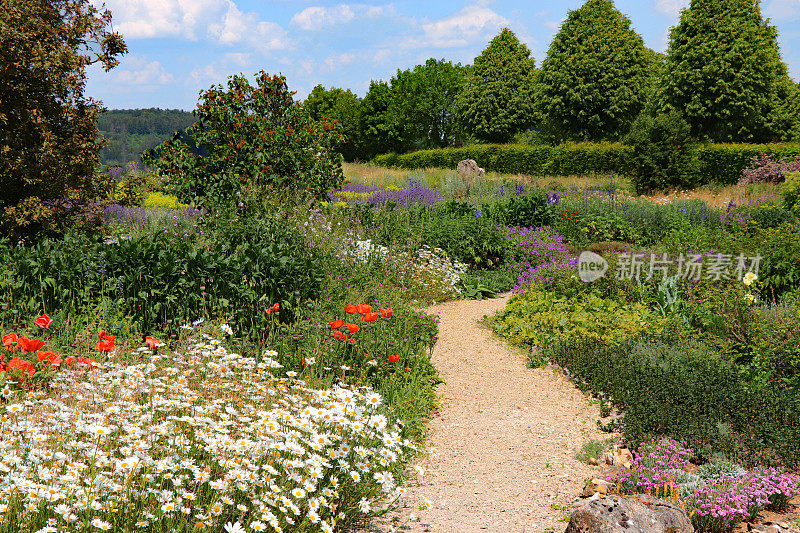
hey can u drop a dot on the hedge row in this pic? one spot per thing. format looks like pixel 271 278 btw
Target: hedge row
pixel 689 395
pixel 715 163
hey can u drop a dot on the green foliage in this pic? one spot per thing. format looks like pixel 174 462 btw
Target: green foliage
pixel 416 109
pixel 474 241
pixel 251 140
pixel 710 163
pixel 530 210
pixel 562 160
pixel 129 132
pixel 780 271
pixel 540 318
pixel 724 72
pixel 344 107
pixel 251 266
pixel 661 155
pixel 48 135
pixel 131 190
pixel 593 450
pixel 497 100
pixel 596 77
pixel 791 192
pixel 688 393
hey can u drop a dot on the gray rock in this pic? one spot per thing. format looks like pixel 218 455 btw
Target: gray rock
pixel 638 513
pixel 468 168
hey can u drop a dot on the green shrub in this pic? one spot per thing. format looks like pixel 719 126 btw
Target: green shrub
pixel 791 192
pixel 160 282
pixel 253 144
pixel 780 270
pixel 707 164
pixel 531 210
pixel 688 393
pixel 661 152
pixel 159 200
pixel 540 318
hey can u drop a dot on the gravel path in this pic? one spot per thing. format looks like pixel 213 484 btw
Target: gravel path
pixel 506 436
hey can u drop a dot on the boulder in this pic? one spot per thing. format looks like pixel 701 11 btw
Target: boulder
pixel 595 486
pixel 628 514
pixel 618 456
pixel 468 169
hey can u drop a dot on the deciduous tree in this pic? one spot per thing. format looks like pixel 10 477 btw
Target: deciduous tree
pixel 48 133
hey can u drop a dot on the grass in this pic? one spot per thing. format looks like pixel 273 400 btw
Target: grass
pixel 713 195
pixel 594 449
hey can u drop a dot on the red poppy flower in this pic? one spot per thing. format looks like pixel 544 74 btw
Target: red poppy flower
pixel 407 369
pixel 371 317
pixel 366 355
pixel 43 321
pixel 352 328
pixel 49 357
pixel 10 339
pixel 336 324
pixel 394 358
pixel 25 366
pixel 337 334
pixel 102 334
pixel 344 336
pixel 151 342
pixel 109 338
pixel 363 308
pixel 104 346
pixel 386 313
pixel 29 345
pixel 275 308
pixel 351 309
pixel 68 361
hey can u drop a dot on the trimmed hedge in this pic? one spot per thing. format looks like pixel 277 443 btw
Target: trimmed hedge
pixel 714 163
pixel 688 394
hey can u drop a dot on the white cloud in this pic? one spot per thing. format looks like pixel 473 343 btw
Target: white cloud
pixel 671 7
pixel 138 71
pixel 783 10
pixel 335 61
pixel 239 27
pixel 472 23
pixel 143 19
pixel 221 20
pixel 317 17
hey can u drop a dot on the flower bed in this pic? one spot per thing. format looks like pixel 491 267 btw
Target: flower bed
pixel 201 439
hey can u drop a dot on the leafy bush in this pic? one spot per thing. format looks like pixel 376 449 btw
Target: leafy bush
pixel 791 192
pixel 542 318
pixel 250 140
pixel 159 200
pixel 689 393
pixel 251 266
pixel 780 271
pixel 711 163
pixel 661 152
pixel 531 210
pixel 764 169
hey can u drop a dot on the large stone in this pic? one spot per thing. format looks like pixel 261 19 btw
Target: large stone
pixel 628 514
pixel 469 169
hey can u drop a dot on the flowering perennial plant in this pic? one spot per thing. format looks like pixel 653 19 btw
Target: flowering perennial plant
pixel 715 504
pixel 539 257
pixel 204 439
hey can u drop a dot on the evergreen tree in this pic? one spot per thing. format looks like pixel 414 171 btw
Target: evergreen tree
pixel 724 72
pixel 595 78
pixel 497 98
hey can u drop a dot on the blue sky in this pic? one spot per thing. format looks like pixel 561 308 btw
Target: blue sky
pixel 179 47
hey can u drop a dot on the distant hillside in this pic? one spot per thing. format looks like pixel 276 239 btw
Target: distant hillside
pixel 131 131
